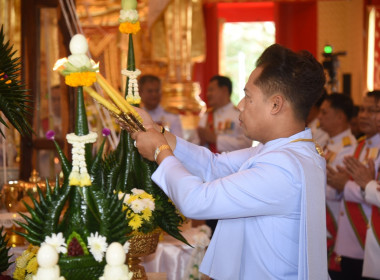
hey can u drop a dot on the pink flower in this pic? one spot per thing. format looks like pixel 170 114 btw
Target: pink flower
pixel 106 131
pixel 50 134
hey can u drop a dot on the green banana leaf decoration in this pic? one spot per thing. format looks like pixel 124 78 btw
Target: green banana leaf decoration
pixel 13 97
pixel 97 208
pixel 4 252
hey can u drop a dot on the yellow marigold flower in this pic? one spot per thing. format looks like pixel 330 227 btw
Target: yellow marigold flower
pixel 80 79
pixel 128 27
pixel 146 214
pixel 136 222
pixel 33 249
pixel 32 266
pixel 19 273
pixel 22 260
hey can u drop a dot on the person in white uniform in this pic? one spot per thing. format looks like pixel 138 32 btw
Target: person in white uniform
pixel 355 212
pixel 334 116
pixel 269 199
pixel 150 93
pixel 219 128
pixel 367 177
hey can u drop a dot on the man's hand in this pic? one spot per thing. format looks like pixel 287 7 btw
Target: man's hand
pixel 337 179
pixel 147 142
pixel 147 119
pixel 206 135
pixel 360 173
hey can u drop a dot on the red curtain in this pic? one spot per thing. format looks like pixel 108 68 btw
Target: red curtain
pixel 296 28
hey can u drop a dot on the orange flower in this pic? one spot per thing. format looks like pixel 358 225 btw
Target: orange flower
pixel 128 27
pixel 80 79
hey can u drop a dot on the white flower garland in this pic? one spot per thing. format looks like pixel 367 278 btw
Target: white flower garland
pixel 133 87
pixel 79 175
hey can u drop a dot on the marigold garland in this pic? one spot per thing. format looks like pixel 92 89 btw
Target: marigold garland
pixel 78 79
pixel 128 27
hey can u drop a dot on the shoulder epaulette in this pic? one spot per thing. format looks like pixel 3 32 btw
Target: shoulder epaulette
pixel 346 141
pixel 361 139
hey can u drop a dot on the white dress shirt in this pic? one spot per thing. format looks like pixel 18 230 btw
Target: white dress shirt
pixel 229 134
pixel 347 243
pixel 270 202
pixel 168 120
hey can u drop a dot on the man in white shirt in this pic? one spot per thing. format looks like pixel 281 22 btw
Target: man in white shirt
pixel 367 176
pixel 150 93
pixel 269 199
pixel 355 212
pixel 219 128
pixel 334 116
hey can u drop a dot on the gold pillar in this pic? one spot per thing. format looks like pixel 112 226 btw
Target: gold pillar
pixel 178 39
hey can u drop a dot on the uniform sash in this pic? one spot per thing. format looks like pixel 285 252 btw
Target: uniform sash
pixel 332 229
pixel 210 123
pixel 355 213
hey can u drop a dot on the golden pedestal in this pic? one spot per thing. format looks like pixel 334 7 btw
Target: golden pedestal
pixel 181 98
pixel 141 245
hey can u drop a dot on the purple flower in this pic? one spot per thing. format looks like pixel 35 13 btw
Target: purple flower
pixel 50 134
pixel 5 76
pixel 106 131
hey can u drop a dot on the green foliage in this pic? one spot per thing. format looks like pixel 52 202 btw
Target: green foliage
pixel 4 252
pixel 13 97
pixel 45 214
pixel 97 208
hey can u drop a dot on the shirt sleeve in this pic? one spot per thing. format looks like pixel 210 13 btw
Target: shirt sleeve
pixel 208 166
pixel 372 195
pixel 352 192
pixel 249 192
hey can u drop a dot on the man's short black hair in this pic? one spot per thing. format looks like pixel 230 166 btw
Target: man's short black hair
pixel 148 78
pixel 223 81
pixel 298 76
pixel 342 102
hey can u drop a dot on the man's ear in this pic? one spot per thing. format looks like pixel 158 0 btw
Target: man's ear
pixel 277 102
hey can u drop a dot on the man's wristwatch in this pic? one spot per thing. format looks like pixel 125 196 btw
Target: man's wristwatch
pixel 159 150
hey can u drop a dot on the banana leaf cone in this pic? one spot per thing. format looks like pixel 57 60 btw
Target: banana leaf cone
pixel 128 170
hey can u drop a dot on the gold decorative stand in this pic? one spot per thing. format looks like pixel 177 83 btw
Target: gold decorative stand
pixel 141 245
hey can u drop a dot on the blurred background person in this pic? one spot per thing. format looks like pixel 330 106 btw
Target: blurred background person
pixel 150 93
pixel 334 117
pixel 354 211
pixel 219 128
pixel 355 128
pixel 319 135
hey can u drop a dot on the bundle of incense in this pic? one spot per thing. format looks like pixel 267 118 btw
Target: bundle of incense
pixel 120 109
